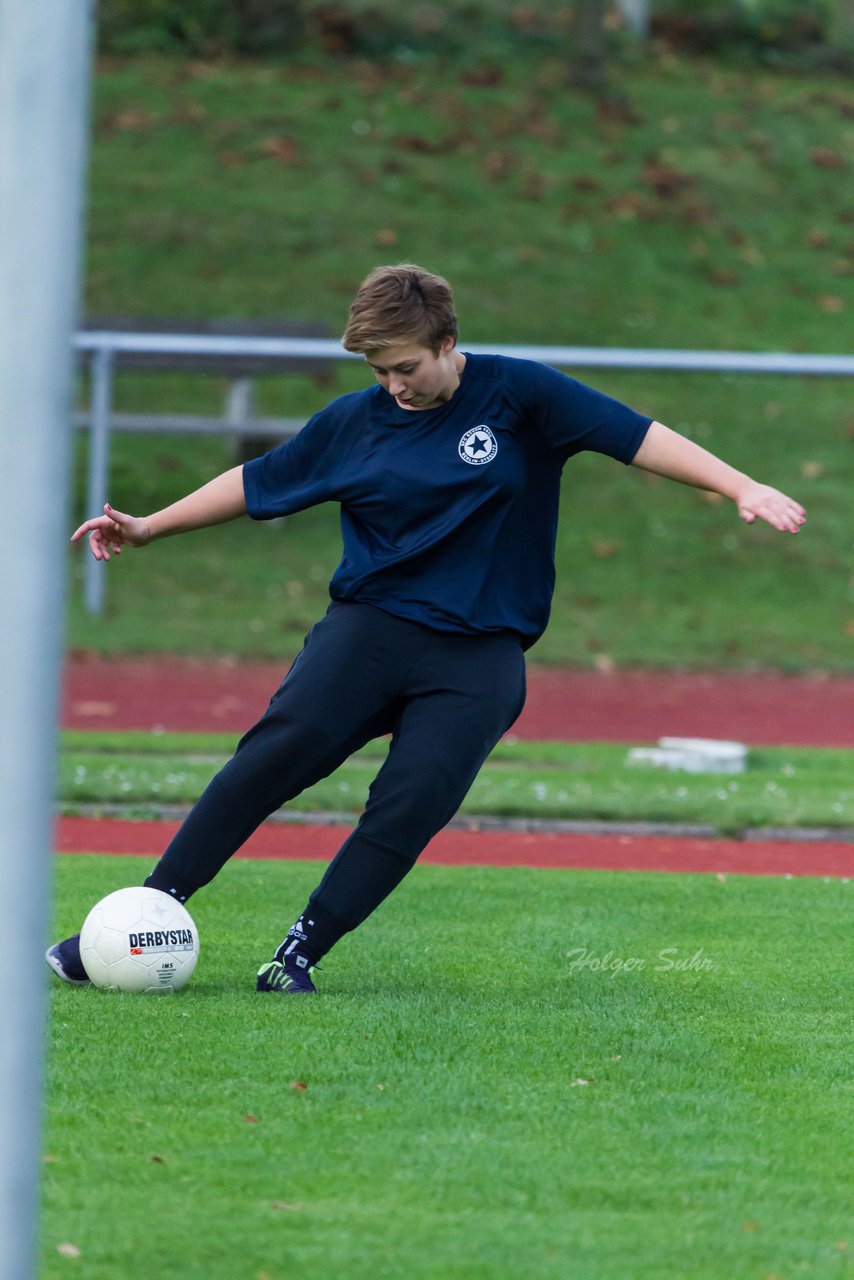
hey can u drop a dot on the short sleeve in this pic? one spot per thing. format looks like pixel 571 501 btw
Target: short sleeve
pixel 298 474
pixel 574 417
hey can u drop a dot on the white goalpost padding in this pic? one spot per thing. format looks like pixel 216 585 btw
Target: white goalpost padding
pixel 44 79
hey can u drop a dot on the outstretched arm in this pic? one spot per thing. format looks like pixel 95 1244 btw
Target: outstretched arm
pixel 219 500
pixel 668 454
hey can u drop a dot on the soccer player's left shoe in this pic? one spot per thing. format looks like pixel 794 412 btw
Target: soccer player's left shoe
pixel 64 959
pixel 290 976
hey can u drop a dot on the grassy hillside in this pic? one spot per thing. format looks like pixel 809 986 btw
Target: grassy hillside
pixel 714 211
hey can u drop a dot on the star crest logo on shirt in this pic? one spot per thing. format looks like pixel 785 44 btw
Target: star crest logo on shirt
pixel 478 446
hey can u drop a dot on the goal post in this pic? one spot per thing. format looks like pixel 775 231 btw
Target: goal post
pixel 45 54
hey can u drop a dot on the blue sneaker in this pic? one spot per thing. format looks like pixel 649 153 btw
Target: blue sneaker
pixel 290 976
pixel 64 959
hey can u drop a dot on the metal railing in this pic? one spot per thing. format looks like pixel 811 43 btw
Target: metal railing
pixel 102 348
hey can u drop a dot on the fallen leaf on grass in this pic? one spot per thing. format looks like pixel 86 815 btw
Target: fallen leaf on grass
pixel 606 548
pixel 286 1206
pixel 50 1159
pixel 665 181
pixel 543 129
pixel 299 1086
pixel 250 1119
pixel 837 101
pixel 483 78
pixel 753 256
pixel 627 205
pixel 285 150
pixel 817 238
pixel 756 138
pixel 722 276
pixel 831 303
pixel 617 110
pixel 68 1250
pixel 197 69
pixel 190 113
pixel 697 213
pixel 497 165
pixel 158 1159
pixel 750 1226
pixel 133 118
pixel 535 187
pixel 386 236
pixel 415 143
pixel 827 158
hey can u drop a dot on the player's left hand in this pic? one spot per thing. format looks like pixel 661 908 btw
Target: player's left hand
pixel 760 500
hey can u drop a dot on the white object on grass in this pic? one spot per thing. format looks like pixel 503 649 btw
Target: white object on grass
pixel 693 755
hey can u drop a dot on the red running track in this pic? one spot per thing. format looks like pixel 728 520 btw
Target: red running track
pixel 760 709
pixel 580 706
pixel 494 849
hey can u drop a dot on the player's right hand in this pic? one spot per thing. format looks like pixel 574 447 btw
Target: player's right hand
pixel 112 531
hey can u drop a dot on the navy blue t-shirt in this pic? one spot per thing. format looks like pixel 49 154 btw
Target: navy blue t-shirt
pixel 448 515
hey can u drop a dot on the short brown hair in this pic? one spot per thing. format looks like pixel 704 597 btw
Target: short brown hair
pixel 400 304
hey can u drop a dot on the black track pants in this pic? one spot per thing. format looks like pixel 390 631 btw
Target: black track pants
pixel 445 699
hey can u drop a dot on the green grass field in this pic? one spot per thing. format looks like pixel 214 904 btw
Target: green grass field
pixel 714 216
pixel 782 786
pixel 479 1091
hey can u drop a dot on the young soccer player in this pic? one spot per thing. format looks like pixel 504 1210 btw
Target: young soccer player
pixel 448 474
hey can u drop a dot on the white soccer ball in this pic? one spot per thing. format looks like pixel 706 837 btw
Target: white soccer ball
pixel 139 939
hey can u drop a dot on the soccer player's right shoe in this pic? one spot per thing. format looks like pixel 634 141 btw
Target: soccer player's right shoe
pixel 290 976
pixel 64 959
